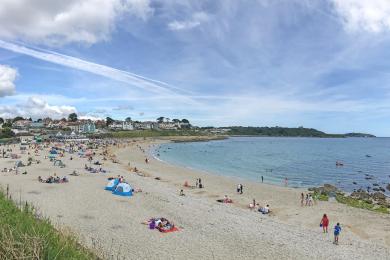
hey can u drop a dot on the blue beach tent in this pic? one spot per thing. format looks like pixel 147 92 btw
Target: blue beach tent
pixel 123 189
pixel 112 184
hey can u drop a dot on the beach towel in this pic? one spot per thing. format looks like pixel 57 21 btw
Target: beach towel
pixel 168 230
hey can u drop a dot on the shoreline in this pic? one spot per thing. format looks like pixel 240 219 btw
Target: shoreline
pixel 208 229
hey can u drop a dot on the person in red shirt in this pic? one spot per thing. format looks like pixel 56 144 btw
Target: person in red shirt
pixel 325 223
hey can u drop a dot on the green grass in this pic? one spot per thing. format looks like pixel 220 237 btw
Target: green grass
pixel 23 236
pixel 362 204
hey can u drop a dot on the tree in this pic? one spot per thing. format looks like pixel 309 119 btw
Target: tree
pixel 18 118
pixel 128 119
pixel 30 119
pixel 185 121
pixel 109 121
pixel 160 119
pixel 72 117
pixel 39 120
pixel 1 120
pixel 175 120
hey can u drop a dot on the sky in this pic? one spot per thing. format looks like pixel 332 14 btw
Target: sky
pixel 323 64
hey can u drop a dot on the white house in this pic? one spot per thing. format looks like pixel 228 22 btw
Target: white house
pixel 122 125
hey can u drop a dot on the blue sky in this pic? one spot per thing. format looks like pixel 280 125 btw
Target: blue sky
pixel 319 63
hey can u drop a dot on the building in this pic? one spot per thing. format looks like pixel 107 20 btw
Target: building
pixel 21 124
pixel 85 127
pixel 121 125
pixel 169 125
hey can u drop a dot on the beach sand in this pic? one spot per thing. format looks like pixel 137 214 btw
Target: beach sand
pixel 208 229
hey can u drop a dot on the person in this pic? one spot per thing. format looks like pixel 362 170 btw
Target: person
pixel 285 182
pixel 307 199
pixel 200 183
pixel 310 200
pixel 302 198
pixel 197 182
pixel 324 223
pixel 182 193
pixel 146 160
pixel 337 230
pixel 238 188
pixel 262 179
pixel 265 210
pixel 241 188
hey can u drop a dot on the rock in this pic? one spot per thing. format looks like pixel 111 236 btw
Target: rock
pixel 354 182
pixel 388 187
pixel 375 184
pixel 376 189
pixel 329 188
pixel 378 196
pixel 360 194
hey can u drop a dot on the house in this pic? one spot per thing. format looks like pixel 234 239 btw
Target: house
pixel 121 125
pixel 87 127
pixel 147 125
pixel 169 125
pixel 21 125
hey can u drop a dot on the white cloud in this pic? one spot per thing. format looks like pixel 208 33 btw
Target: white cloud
pixel 36 108
pixel 196 20
pixel 367 15
pixel 7 78
pixel 57 22
pixel 106 71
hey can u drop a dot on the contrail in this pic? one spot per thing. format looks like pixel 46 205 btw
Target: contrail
pixel 95 68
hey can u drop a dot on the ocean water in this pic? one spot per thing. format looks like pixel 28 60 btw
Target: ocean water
pixel 306 162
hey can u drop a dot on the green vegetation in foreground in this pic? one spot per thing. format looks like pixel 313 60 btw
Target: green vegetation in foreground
pixel 287 132
pixel 153 133
pixel 23 236
pixel 362 204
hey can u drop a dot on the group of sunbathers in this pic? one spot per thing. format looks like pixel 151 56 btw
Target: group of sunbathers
pixel 93 170
pixel 53 179
pixel 162 224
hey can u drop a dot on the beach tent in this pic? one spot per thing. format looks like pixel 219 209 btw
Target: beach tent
pixel 112 184
pixel 123 189
pixel 59 163
pixel 19 164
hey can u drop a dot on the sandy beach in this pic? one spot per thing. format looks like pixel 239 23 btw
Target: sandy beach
pixel 207 229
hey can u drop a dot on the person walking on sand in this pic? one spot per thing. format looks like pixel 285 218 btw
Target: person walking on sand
pixel 302 199
pixel 262 178
pixel 337 230
pixel 241 188
pixel 197 182
pixel 285 182
pixel 310 200
pixel 307 200
pixel 324 223
pixel 238 188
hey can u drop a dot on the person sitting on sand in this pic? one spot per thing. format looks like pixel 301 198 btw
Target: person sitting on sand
pixel 265 210
pixel 40 179
pixel 182 193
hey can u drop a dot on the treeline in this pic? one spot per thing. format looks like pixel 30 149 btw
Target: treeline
pixel 287 132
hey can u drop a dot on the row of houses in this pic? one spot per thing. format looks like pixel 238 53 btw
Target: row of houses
pixel 147 125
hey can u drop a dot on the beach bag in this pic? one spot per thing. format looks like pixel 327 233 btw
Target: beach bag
pixel 152 224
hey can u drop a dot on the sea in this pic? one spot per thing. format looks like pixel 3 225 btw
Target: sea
pixel 305 162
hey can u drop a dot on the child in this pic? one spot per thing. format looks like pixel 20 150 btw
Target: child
pixel 337 230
